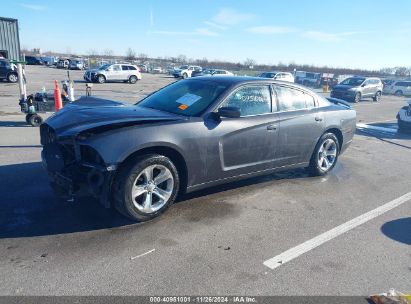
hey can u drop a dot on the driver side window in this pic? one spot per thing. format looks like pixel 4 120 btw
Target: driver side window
pixel 251 100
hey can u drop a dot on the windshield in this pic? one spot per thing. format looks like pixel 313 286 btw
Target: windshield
pixel 268 75
pixel 186 97
pixel 103 67
pixel 353 81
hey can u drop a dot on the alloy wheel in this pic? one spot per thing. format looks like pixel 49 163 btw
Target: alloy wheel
pixel 152 188
pixel 327 154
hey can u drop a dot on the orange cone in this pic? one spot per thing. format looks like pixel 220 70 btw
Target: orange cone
pixel 58 104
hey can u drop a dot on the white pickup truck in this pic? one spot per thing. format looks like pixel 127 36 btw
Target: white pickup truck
pixel 185 71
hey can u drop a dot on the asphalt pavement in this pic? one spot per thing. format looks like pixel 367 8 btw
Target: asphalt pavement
pixel 212 242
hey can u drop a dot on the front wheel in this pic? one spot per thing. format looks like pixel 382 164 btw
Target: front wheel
pixel 145 187
pixel 399 93
pixel 377 97
pixel 357 97
pixel 325 155
pixel 185 75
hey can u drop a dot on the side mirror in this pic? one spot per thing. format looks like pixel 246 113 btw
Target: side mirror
pixel 229 112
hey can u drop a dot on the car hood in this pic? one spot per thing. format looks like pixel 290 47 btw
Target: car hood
pixel 342 87
pixel 89 113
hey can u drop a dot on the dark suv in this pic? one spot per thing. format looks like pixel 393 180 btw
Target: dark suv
pixel 7 71
pixel 356 88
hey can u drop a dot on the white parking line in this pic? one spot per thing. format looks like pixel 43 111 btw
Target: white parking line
pixel 143 254
pixel 333 233
pixel 376 128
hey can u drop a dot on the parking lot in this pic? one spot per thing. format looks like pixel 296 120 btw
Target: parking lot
pixel 212 242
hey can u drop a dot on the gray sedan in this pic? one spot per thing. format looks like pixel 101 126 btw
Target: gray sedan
pixel 190 135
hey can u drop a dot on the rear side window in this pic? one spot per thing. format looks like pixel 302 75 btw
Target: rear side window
pixel 251 100
pixel 130 67
pixel 291 99
pixel 124 68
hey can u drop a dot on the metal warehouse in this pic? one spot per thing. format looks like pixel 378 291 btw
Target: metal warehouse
pixel 9 38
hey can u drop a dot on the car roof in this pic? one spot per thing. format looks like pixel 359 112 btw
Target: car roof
pixel 237 80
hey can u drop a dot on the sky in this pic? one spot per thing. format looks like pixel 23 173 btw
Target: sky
pixel 370 34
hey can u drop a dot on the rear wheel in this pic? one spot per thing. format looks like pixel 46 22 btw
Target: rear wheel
pixel 35 120
pixel 133 79
pixel 145 187
pixel 399 93
pixel 357 97
pixel 325 155
pixel 377 97
pixel 185 75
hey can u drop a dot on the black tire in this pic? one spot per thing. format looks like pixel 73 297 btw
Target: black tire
pixel 357 97
pixel 133 79
pixel 314 168
pixel 28 118
pixel 377 97
pixel 399 93
pixel 12 77
pixel 35 120
pixel 127 175
pixel 101 79
pixel 185 76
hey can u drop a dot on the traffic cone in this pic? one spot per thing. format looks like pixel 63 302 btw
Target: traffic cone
pixel 58 104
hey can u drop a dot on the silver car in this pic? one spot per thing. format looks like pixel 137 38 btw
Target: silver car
pixel 114 72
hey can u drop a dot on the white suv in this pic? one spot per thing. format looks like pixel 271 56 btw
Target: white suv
pixel 284 76
pixel 185 71
pixel 114 72
pixel 399 88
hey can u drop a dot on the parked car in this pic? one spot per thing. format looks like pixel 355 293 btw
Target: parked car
pixel 308 79
pixel 63 63
pixel 114 72
pixel 190 135
pixel 77 65
pixel 8 71
pixel 211 72
pixel 185 71
pixel 356 88
pixel 404 118
pixel 284 76
pixel 32 60
pixel 398 88
pixel 157 70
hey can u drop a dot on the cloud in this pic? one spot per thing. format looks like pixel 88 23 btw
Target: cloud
pixel 215 25
pixel 196 32
pixel 327 37
pixel 34 7
pixel 228 16
pixel 270 29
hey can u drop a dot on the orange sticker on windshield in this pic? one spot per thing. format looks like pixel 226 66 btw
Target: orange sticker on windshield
pixel 182 107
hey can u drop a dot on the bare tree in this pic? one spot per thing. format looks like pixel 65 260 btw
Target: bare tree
pixel 130 54
pixel 108 53
pixel 142 57
pixel 92 53
pixel 249 63
pixel 402 71
pixel 182 59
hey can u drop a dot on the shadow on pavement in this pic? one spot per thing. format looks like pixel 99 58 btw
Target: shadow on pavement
pixel 399 230
pixel 28 206
pixel 14 124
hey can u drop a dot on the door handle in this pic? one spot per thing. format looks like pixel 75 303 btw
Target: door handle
pixel 318 119
pixel 272 127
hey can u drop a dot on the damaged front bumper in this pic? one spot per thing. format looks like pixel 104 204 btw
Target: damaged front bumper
pixel 77 170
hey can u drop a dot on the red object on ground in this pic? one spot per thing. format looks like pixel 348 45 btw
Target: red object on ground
pixel 58 104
